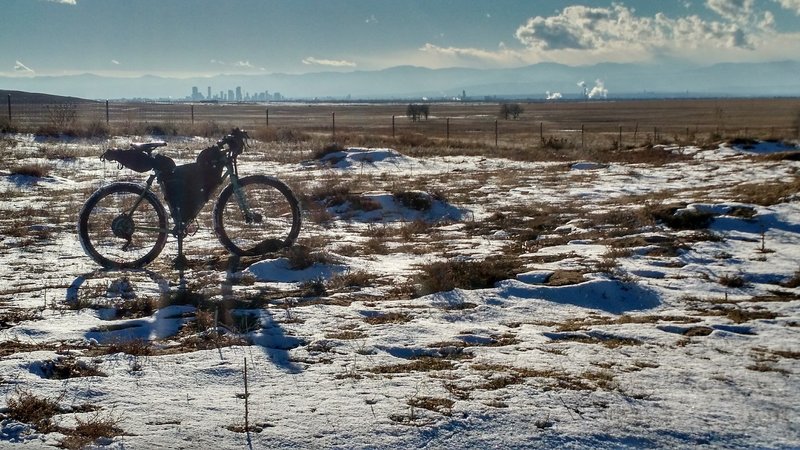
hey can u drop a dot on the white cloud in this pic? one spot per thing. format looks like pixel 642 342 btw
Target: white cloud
pixel 371 19
pixel 22 68
pixel 115 62
pixel 582 35
pixel 732 10
pixel 584 28
pixel 64 2
pixel 792 5
pixel 311 61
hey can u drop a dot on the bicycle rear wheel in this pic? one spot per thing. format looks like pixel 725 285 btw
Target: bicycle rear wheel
pixel 261 216
pixel 122 226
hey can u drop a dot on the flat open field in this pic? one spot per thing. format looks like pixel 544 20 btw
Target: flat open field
pixel 582 124
pixel 444 292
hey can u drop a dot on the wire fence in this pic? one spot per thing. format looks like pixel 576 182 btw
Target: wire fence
pixel 576 124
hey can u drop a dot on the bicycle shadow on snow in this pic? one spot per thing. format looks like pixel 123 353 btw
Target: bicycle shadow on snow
pixel 142 305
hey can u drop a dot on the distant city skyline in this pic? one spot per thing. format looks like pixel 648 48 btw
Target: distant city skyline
pixel 197 38
pixel 233 95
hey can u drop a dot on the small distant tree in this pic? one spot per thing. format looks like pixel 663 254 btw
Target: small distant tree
pixel 414 111
pixel 513 110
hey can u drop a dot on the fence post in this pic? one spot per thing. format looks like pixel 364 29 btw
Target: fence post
pixel 267 116
pixel 107 115
pixel 9 107
pixel 495 133
pixel 583 142
pixel 619 142
pixel 635 133
pixel 192 108
pixel 392 127
pixel 447 138
pixel 541 132
pixel 333 124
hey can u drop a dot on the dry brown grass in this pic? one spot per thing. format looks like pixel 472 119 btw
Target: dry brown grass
pixel 89 430
pixel 423 364
pixel 448 275
pixel 24 406
pixel 766 193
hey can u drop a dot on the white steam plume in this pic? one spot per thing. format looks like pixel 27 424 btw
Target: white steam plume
pixel 553 95
pixel 599 90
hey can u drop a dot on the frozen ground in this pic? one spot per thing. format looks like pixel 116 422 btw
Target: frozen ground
pixel 648 304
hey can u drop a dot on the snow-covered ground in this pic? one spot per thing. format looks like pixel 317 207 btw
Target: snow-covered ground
pixel 651 305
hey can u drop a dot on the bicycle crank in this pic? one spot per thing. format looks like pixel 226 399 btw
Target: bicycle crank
pixel 254 217
pixel 123 227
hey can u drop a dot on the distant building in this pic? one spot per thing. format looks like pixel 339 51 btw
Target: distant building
pixel 238 93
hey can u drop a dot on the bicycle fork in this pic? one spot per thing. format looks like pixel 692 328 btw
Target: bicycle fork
pixel 249 216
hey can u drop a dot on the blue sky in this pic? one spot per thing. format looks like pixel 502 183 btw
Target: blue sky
pixel 208 37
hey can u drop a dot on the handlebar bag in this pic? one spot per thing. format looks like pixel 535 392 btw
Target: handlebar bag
pixel 135 160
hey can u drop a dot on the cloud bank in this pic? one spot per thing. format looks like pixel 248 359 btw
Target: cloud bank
pixel 311 61
pixel 792 5
pixel 581 34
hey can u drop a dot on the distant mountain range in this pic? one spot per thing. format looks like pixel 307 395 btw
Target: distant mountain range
pixel 407 82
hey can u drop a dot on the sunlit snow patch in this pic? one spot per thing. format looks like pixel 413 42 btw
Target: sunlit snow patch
pixel 401 206
pixel 279 271
pixel 608 295
pixel 360 158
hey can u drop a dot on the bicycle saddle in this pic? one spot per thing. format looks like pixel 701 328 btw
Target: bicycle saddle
pixel 147 146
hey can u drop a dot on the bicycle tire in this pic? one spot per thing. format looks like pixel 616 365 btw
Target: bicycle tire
pixel 276 207
pixel 97 217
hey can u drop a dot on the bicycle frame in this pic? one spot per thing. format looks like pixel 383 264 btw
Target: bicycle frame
pixel 230 172
pixel 248 202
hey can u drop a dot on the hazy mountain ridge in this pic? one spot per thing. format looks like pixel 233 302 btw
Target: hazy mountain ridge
pixel 409 82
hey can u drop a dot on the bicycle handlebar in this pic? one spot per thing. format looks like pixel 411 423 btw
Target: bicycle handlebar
pixel 236 140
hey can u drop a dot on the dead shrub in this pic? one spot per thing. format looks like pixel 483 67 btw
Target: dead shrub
pixel 792 282
pixel 376 246
pixel 423 364
pixel 24 406
pixel 69 367
pixel 90 430
pixel 738 315
pixel 351 279
pixel 442 406
pixel 408 230
pixel 413 140
pixel 133 347
pixel 448 275
pixel 34 170
pixel 327 150
pixel 345 335
pixel 313 288
pixel 300 257
pixel 766 193
pixel 677 219
pixel 732 281
pixel 416 200
pixel 390 317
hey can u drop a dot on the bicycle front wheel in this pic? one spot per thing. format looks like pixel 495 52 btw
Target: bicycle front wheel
pixel 261 215
pixel 123 226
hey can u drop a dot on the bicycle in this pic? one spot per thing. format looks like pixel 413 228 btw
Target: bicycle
pixel 124 225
